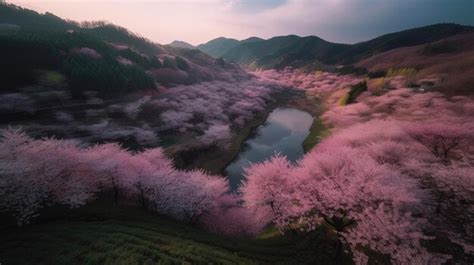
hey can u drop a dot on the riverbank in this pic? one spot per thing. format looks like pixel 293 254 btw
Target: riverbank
pixel 314 106
pixel 317 132
pixel 215 159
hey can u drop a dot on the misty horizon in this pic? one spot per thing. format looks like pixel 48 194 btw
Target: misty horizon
pixel 197 22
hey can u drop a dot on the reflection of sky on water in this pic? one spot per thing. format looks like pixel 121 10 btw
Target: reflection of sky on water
pixel 283 132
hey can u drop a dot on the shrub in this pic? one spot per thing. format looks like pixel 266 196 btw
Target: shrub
pixel 355 91
pixel 409 72
pixel 442 138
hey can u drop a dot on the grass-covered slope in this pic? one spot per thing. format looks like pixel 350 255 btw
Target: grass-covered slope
pixel 104 234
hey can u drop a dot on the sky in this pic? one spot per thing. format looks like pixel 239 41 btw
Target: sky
pixel 198 21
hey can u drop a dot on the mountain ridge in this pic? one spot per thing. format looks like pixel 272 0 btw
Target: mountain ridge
pixel 181 44
pixel 296 51
pixel 218 46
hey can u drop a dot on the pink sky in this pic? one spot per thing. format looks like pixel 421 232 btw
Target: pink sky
pixel 197 21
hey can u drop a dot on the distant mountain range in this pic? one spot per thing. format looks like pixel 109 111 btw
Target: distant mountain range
pixel 220 46
pixel 311 51
pixel 31 43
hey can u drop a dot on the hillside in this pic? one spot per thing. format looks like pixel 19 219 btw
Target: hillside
pixel 64 79
pixel 302 52
pixel 313 52
pixel 92 56
pixel 181 44
pixel 246 53
pixel 107 234
pixel 400 39
pixel 218 47
pixel 450 60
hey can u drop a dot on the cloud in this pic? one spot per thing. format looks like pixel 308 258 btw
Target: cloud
pixel 255 6
pixel 198 21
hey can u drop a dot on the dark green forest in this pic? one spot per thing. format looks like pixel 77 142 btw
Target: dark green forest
pixel 31 42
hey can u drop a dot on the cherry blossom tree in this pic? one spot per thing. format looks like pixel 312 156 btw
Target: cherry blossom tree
pixel 216 133
pixel 45 172
pixel 265 188
pixel 188 195
pixel 108 163
pixel 347 189
pixel 228 217
pixel 374 180
pixel 441 138
pixel 35 174
pixel 357 191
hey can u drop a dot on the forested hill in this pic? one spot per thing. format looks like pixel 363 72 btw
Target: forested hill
pixel 43 50
pixel 218 47
pixel 181 44
pixel 314 52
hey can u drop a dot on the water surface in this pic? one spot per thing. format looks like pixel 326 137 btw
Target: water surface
pixel 283 132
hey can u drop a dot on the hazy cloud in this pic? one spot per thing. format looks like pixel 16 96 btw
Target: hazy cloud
pixel 198 21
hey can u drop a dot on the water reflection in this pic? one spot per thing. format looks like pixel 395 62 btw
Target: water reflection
pixel 283 132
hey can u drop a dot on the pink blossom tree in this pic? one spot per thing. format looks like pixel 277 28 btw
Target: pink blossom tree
pixel 217 133
pixel 108 162
pixel 45 172
pixel 229 218
pixel 343 187
pixel 35 174
pixel 350 191
pixel 265 190
pixel 188 195
pixel 441 138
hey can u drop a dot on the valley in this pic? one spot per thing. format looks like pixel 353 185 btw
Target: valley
pixel 115 149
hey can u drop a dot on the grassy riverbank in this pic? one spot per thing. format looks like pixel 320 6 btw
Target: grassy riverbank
pixel 317 132
pixel 315 107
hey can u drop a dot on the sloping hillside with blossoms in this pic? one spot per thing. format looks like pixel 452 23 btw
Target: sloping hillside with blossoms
pixel 394 176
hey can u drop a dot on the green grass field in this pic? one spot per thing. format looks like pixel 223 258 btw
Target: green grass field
pixel 317 132
pixel 121 235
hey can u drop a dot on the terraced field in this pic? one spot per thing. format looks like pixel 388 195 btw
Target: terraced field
pixel 113 235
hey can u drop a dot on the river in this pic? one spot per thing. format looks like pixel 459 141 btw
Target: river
pixel 283 132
